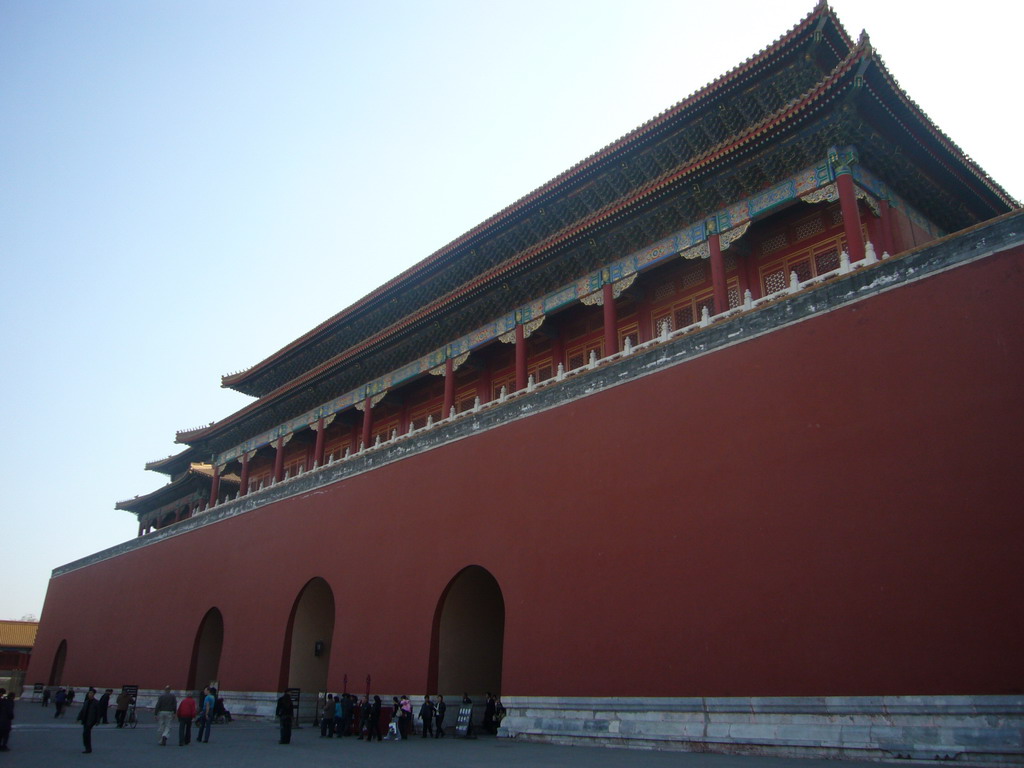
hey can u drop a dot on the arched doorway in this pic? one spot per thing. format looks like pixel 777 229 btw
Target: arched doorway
pixel 57 668
pixel 206 650
pixel 307 648
pixel 468 636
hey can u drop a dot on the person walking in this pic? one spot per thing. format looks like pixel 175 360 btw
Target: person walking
pixel 88 716
pixel 186 713
pixel 205 720
pixel 6 718
pixel 285 712
pixel 59 701
pixel 164 710
pixel 105 705
pixel 427 716
pixel 121 707
pixel 439 710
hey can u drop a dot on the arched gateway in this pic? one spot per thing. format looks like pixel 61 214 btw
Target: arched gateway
pixel 468 635
pixel 307 647
pixel 206 650
pixel 57 668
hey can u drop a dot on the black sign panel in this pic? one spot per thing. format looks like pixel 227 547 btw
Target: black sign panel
pixel 464 725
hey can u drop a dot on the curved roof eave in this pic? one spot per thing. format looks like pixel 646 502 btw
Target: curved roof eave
pixel 822 9
pixel 713 155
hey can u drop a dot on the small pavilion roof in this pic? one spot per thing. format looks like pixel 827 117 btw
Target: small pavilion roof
pixel 195 478
pixel 173 464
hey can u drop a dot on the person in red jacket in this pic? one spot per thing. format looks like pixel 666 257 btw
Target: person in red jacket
pixel 186 714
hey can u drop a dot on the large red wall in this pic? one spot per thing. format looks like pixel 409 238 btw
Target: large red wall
pixel 829 509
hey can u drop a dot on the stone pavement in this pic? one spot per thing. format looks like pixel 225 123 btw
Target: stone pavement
pixel 40 740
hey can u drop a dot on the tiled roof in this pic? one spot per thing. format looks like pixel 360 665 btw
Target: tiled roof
pixel 820 11
pixel 18 634
pixel 842 79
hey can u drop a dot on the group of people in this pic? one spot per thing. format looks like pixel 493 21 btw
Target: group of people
pixel 342 715
pixel 431 714
pixel 94 712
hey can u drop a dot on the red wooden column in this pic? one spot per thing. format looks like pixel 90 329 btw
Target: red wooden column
pixel 851 215
pixel 449 388
pixel 279 461
pixel 611 334
pixel 215 485
pixel 520 356
pixel 888 240
pixel 244 487
pixel 721 293
pixel 367 421
pixel 318 449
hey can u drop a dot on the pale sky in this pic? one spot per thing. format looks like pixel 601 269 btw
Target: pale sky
pixel 187 186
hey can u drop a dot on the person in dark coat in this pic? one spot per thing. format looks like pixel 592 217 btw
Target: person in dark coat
pixel 427 716
pixel 373 725
pixel 6 718
pixel 105 705
pixel 59 701
pixel 439 710
pixel 285 712
pixel 88 716
pixel 489 715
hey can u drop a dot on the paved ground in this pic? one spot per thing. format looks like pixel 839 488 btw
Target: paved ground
pixel 40 740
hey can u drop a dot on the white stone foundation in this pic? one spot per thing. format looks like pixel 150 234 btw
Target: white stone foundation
pixel 985 730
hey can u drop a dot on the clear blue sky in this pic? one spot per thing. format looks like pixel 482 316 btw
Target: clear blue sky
pixel 187 186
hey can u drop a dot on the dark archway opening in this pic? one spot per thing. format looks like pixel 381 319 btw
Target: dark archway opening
pixel 206 651
pixel 307 647
pixel 57 668
pixel 468 636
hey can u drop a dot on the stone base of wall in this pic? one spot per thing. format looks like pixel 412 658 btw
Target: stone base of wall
pixel 970 730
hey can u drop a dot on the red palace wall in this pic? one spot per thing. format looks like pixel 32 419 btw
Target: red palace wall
pixel 828 509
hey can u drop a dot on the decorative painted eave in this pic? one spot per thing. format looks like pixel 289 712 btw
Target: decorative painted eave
pixel 821 14
pixel 789 116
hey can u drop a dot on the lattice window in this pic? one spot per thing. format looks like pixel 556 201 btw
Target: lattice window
pixel 508 381
pixel 775 281
pixel 802 269
pixel 336 447
pixel 580 354
pixel 835 215
pixel 827 261
pixel 774 243
pixel 734 296
pixel 259 479
pixel 809 228
pixel 295 463
pixel 695 275
pixel 384 428
pixel 420 420
pixel 682 317
pixel 728 261
pixel 663 291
